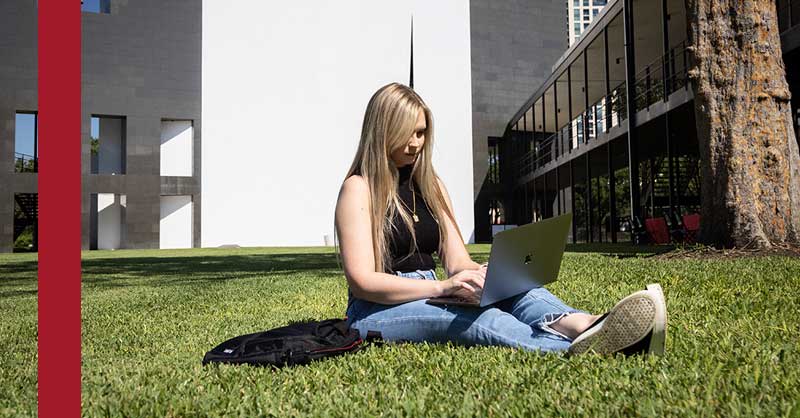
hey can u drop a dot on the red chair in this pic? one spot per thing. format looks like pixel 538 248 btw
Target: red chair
pixel 692 225
pixel 657 230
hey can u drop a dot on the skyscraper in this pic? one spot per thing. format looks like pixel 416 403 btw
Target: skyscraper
pixel 580 14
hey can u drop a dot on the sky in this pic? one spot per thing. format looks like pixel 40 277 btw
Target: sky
pixel 24 133
pixel 90 6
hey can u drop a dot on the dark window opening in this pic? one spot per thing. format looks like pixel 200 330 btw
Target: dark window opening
pixel 494 162
pixel 26 220
pixel 107 141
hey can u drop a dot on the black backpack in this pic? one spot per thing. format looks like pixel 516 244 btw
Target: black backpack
pixel 297 343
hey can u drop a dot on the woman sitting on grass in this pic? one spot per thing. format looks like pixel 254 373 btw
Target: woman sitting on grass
pixel 393 213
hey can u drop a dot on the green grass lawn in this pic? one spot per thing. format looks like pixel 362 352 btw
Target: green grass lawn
pixel 149 316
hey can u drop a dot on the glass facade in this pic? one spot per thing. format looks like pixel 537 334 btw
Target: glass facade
pixel 571 145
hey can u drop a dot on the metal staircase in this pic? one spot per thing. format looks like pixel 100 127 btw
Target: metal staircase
pixel 27 214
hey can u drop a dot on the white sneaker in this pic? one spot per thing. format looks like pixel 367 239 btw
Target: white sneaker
pixel 636 324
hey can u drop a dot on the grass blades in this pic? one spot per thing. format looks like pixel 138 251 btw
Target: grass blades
pixel 733 346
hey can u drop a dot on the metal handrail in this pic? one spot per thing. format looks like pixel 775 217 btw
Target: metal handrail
pixel 25 163
pixel 649 83
pixel 609 111
pixel 540 155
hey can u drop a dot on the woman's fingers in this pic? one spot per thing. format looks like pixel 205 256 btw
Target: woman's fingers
pixel 478 279
pixel 464 285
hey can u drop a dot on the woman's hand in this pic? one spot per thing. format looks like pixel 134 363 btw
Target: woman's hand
pixel 467 284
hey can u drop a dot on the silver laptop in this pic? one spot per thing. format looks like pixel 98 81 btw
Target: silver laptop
pixel 522 258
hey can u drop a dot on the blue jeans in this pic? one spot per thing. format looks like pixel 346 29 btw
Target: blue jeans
pixel 522 321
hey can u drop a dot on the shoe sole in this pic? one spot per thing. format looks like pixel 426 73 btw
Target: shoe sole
pixel 659 337
pixel 627 323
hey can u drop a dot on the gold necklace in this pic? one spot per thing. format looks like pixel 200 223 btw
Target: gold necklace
pixel 414 199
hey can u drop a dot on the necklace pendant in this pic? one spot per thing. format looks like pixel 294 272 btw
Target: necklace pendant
pixel 416 219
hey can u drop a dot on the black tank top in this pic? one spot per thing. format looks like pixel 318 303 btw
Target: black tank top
pixel 426 230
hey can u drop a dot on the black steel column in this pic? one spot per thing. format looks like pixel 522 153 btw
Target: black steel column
pixel 608 81
pixel 535 200
pixel 546 199
pixel 526 211
pixel 555 119
pixel 569 101
pixel 35 155
pixel 585 98
pixel 630 90
pixel 589 198
pixel 533 125
pixel 652 163
pixel 558 190
pixel 572 201
pixel 665 50
pixel 599 218
pixel 535 155
pixel 612 195
pixel 544 116
pixel 665 60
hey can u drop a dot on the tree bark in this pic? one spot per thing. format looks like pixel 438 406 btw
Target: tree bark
pixel 750 163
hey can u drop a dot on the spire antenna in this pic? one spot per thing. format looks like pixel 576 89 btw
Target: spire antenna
pixel 411 74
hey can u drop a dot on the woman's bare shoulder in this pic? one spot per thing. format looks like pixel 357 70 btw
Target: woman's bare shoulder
pixel 355 184
pixel 354 191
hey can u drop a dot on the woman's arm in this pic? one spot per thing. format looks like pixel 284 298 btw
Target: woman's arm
pixel 355 240
pixel 454 254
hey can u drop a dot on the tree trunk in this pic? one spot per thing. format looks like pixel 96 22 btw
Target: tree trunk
pixel 750 163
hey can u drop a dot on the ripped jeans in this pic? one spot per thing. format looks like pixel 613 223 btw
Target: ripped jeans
pixel 521 321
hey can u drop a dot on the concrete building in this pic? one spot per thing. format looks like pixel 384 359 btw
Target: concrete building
pixel 279 105
pixel 617 110
pixel 514 46
pixel 141 124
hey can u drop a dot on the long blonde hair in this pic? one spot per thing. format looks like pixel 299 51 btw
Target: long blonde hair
pixel 389 121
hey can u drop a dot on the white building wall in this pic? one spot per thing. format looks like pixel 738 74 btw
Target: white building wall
pixel 285 86
pixel 176 148
pixel 175 227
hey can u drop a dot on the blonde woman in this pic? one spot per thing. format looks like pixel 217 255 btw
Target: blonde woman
pixel 394 212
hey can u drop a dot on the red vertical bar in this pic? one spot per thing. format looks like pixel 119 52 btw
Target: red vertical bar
pixel 59 51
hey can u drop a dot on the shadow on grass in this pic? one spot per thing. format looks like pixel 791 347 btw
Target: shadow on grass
pixel 19 273
pixel 159 271
pixel 619 250
pixel 14 293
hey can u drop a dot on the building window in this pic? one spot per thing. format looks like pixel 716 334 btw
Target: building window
pixel 176 224
pixel 107 220
pixel 177 139
pixel 107 144
pixel 586 3
pixel 26 143
pixel 26 220
pixel 96 6
pixel 494 164
pixel 496 212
